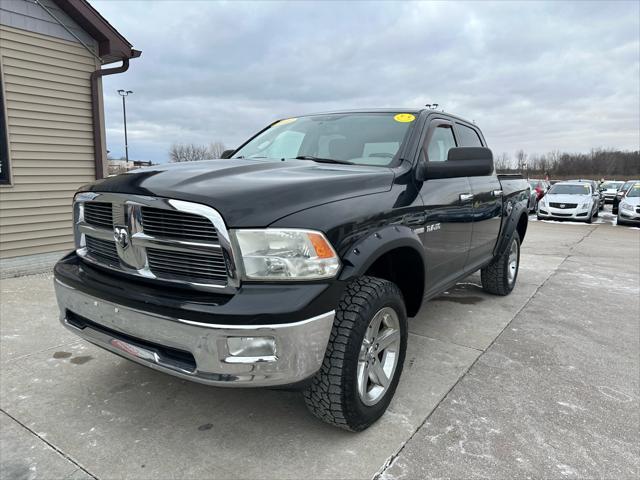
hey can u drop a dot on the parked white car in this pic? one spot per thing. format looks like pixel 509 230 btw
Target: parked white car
pixel 570 201
pixel 629 207
pixel 610 189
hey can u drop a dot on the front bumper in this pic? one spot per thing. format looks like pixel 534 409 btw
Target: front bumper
pixel 630 216
pixel 193 350
pixel 563 213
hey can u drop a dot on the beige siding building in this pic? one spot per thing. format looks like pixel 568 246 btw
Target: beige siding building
pixel 52 135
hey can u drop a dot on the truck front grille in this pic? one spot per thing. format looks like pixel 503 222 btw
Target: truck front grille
pixel 197 265
pixel 103 250
pixel 155 238
pixel 174 224
pixel 98 214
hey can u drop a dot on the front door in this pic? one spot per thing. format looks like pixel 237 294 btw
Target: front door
pixel 448 211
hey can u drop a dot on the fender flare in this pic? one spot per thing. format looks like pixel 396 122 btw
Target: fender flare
pixel 517 209
pixel 363 253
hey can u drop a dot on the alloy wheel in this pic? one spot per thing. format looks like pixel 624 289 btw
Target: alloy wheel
pixel 379 354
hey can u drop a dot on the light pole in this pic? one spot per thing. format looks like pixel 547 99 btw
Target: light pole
pixel 123 94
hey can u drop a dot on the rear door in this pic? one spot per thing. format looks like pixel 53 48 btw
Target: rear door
pixel 487 204
pixel 447 228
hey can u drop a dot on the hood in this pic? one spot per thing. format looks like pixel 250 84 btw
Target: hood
pixel 564 198
pixel 635 201
pixel 251 193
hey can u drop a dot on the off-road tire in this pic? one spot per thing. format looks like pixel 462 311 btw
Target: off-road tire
pixel 332 395
pixel 495 276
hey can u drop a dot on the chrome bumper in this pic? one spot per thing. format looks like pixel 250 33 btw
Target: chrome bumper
pixel 153 340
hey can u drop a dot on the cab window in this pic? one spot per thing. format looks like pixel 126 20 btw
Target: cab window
pixel 441 141
pixel 468 136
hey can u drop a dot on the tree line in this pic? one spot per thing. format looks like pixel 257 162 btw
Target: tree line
pixel 598 163
pixel 190 152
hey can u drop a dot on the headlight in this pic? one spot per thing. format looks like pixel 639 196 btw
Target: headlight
pixel 586 204
pixel 626 206
pixel 286 254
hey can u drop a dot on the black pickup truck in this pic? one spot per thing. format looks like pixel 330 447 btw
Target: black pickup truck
pixel 295 260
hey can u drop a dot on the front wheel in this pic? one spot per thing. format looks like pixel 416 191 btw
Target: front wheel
pixel 499 277
pixel 364 357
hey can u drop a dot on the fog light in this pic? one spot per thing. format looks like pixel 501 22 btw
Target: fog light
pixel 251 346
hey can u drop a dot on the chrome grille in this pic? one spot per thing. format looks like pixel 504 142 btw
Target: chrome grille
pixel 196 265
pixel 176 224
pixel 563 205
pixel 103 250
pixel 98 214
pixel 156 239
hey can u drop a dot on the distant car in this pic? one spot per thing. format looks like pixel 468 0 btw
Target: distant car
pixel 572 200
pixel 629 211
pixel 621 191
pixel 596 188
pixel 538 190
pixel 609 190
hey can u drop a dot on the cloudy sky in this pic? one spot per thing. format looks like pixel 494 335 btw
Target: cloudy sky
pixel 533 75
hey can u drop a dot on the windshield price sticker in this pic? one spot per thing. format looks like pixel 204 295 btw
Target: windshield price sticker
pixel 404 117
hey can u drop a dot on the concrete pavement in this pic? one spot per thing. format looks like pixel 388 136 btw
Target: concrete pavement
pixel 543 382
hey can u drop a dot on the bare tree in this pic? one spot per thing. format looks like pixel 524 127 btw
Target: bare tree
pixel 216 149
pixel 502 162
pixel 190 152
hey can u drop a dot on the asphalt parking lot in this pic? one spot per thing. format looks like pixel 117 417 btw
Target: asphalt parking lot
pixel 542 383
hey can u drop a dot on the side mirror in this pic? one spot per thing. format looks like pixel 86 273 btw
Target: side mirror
pixel 227 154
pixel 461 162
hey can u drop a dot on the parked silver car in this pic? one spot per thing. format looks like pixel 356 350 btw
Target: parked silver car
pixel 571 200
pixel 629 207
pixel 609 189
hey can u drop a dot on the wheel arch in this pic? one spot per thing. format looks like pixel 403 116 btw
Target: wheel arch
pixel 394 253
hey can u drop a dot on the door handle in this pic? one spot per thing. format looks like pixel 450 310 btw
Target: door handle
pixel 497 193
pixel 466 197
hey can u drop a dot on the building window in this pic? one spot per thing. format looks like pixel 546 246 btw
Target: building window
pixel 5 169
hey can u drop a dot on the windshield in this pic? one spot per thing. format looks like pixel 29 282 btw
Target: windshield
pixel 359 138
pixel 634 191
pixel 564 189
pixel 611 185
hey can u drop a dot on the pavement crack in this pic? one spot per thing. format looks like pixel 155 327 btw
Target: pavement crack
pixel 446 341
pixel 27 355
pixel 67 457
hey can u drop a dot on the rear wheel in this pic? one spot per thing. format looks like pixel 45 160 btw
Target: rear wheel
pixel 499 277
pixel 364 358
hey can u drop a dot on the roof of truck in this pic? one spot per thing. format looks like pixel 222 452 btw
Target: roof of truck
pixel 388 110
